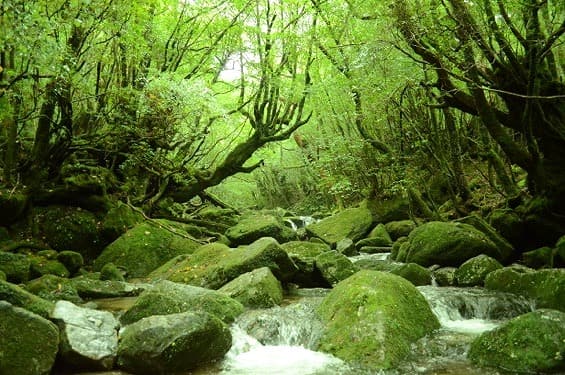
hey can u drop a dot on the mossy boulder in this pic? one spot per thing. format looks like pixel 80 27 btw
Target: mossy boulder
pixel 28 342
pixel 474 271
pixel 147 246
pixel 414 273
pixel 303 254
pixel 445 276
pixel 41 265
pixel 111 272
pixel 89 287
pixel 546 287
pixel 72 260
pixel 530 343
pixel 447 244
pixel 334 266
pixel 377 237
pixel 346 247
pixel 539 258
pixel 118 220
pixel 258 225
pixel 53 288
pixel 167 297
pixel 70 228
pixel 256 289
pixel 12 206
pixel 214 265
pixel 166 344
pixel 353 223
pixel 400 228
pixel 372 318
pixel 505 248
pixel 16 267
pixel 20 297
pixel 394 209
pixel 395 250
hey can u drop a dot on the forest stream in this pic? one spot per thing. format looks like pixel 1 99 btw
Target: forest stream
pixel 280 340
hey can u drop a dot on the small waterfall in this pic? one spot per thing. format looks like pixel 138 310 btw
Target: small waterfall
pixel 298 222
pixel 366 256
pixel 473 310
pixel 279 341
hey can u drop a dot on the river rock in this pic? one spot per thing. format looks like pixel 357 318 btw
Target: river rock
pixel 89 338
pixel 414 273
pixel 447 244
pixel 28 342
pixel 165 344
pixel 20 297
pixel 395 250
pixel 303 254
pixel 546 287
pixel 72 260
pixel 258 225
pixel 111 272
pixel 346 247
pixel 89 287
pixel 400 228
pixel 45 265
pixel 474 271
pixel 353 223
pixel 214 265
pixel 372 318
pixel 530 343
pixel 118 220
pixel 147 246
pixel 334 266
pixel 445 276
pixel 53 288
pixel 167 297
pixel 16 267
pixel 538 258
pixel 377 237
pixel 505 248
pixel 70 228
pixel 256 289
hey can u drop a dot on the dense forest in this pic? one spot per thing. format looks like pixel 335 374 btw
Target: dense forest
pixel 199 113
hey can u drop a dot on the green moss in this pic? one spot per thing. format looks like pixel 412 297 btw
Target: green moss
pixel 372 318
pixel 72 260
pixel 335 266
pixel 53 288
pixel 530 343
pixel 257 226
pixel 22 298
pixel 256 289
pixel 401 228
pixel 474 271
pixel 111 272
pixel 414 273
pixel 16 267
pixel 351 223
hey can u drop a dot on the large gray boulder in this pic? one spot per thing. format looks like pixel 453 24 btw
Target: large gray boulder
pixel 214 265
pixel 167 297
pixel 258 225
pixel 546 287
pixel 448 244
pixel 372 318
pixel 147 246
pixel 256 289
pixel 167 344
pixel 530 343
pixel 89 338
pixel 353 223
pixel 28 342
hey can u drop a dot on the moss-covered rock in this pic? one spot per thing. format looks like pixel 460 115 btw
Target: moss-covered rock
pixel 253 227
pixel 546 287
pixel 334 266
pixel 539 258
pixel 44 266
pixel 530 343
pixel 474 271
pixel 303 254
pixel 147 246
pixel 346 247
pixel 394 209
pixel 445 276
pixel 12 206
pixel 447 244
pixel 29 342
pixel 414 273
pixel 400 228
pixel 3 276
pixel 256 289
pixel 214 265
pixel 505 248
pixel 175 343
pixel 508 223
pixel 53 288
pixel 353 223
pixel 395 250
pixel 377 237
pixel 70 228
pixel 118 220
pixel 72 260
pixel 372 318
pixel 111 272
pixel 16 267
pixel 89 287
pixel 20 297
pixel 167 297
